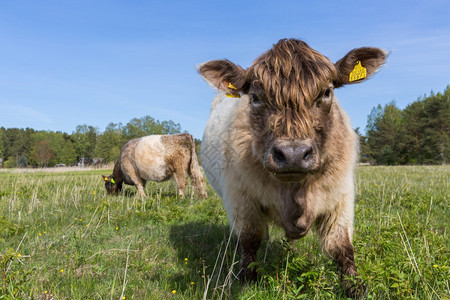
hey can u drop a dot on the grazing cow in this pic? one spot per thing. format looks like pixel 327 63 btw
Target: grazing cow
pixel 278 146
pixel 156 158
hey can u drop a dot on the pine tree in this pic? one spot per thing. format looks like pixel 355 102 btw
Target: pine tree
pixel 383 133
pixel 2 145
pixel 22 162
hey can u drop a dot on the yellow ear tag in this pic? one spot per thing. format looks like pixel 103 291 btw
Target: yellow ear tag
pixel 359 72
pixel 106 178
pixel 229 95
pixel 231 86
pixel 232 95
pixel 112 181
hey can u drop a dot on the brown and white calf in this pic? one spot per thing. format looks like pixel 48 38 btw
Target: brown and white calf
pixel 278 146
pixel 156 158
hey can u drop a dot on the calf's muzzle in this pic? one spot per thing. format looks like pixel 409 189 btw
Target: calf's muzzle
pixel 290 160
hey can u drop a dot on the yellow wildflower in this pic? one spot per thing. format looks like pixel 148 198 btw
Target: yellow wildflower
pixel 174 292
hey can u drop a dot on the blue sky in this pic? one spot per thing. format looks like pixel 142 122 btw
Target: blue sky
pixel 67 63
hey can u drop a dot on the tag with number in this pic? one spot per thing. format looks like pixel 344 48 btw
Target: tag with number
pixel 359 72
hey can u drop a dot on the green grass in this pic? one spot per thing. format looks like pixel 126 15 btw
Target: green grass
pixel 62 237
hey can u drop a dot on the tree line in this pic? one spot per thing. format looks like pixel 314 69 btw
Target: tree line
pixel 418 134
pixel 29 147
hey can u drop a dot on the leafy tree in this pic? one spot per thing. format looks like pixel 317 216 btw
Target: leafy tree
pixel 11 162
pixel 147 125
pixel 68 155
pixel 56 141
pixel 47 148
pixel 170 127
pixel 110 142
pixel 136 128
pixel 43 153
pixel 85 140
pixel 114 153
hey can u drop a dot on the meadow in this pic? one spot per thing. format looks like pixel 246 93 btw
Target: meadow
pixel 62 237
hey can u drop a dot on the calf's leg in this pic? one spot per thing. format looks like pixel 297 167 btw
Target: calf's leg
pixel 134 176
pixel 335 236
pixel 180 180
pixel 140 186
pixel 249 242
pixel 251 226
pixel 197 180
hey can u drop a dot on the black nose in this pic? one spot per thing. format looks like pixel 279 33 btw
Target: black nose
pixel 293 157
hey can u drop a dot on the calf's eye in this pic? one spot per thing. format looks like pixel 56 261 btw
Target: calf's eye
pixel 325 99
pixel 255 101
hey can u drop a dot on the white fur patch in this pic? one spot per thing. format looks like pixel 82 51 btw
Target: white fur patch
pixel 149 158
pixel 213 144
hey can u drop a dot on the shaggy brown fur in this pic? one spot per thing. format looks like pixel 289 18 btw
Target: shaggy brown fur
pixel 285 150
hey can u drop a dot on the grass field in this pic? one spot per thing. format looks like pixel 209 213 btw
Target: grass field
pixel 62 237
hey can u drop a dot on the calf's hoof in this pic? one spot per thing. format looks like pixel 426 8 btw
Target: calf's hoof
pixel 247 275
pixel 354 288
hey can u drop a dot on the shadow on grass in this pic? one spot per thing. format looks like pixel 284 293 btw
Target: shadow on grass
pixel 202 250
pixel 208 253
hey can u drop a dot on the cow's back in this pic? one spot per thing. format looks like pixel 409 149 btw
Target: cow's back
pixel 148 159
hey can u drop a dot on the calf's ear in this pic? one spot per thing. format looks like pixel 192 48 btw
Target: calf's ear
pixel 105 178
pixel 223 75
pixel 358 65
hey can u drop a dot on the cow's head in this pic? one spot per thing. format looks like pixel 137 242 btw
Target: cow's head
pixel 291 101
pixel 110 185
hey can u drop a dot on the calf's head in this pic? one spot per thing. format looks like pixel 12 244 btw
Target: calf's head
pixel 110 185
pixel 291 102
